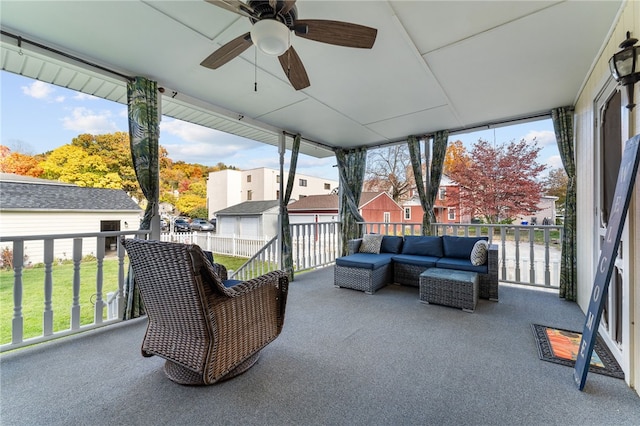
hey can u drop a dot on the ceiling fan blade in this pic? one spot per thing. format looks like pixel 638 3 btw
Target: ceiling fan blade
pixel 228 52
pixel 288 4
pixel 294 70
pixel 336 32
pixel 235 6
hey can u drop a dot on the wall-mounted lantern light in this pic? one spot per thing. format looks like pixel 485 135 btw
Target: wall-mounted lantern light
pixel 625 66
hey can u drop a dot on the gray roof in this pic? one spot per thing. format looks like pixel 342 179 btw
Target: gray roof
pixel 35 195
pixel 249 208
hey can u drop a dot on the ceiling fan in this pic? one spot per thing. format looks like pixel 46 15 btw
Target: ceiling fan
pixel 272 24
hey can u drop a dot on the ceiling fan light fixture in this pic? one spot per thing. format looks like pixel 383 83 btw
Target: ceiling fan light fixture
pixel 271 37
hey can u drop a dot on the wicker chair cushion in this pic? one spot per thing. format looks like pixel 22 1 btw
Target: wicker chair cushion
pixel 423 246
pixel 391 244
pixel 231 283
pixel 479 253
pixel 414 259
pixel 365 260
pixel 459 247
pixel 371 243
pixel 461 265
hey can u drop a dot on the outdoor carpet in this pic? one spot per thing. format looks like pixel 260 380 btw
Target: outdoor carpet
pixel 561 347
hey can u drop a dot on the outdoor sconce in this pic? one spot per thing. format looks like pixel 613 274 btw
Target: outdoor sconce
pixel 625 66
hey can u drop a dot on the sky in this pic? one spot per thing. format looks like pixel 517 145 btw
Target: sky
pixel 61 115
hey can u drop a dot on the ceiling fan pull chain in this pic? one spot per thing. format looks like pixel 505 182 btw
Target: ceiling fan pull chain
pixel 255 70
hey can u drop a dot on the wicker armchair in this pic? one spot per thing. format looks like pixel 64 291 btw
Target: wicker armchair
pixel 207 332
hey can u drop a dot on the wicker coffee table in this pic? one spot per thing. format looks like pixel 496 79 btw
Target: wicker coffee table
pixel 458 289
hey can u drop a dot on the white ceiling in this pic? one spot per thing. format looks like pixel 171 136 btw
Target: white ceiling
pixel 435 64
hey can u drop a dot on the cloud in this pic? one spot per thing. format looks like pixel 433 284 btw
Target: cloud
pixel 543 137
pixel 555 162
pixel 41 90
pixel 85 97
pixel 84 120
pixel 201 144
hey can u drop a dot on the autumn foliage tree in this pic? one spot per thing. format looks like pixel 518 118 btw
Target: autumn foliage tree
pixel 498 183
pixel 104 161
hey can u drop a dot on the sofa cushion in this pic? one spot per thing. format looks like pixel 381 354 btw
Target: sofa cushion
pixel 391 244
pixel 479 253
pixel 423 246
pixel 371 243
pixel 414 259
pixel 365 260
pixel 461 265
pixel 459 247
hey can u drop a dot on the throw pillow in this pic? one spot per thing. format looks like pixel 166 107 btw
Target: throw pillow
pixel 479 253
pixel 371 243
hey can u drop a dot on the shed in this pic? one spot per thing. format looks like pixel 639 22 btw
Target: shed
pixel 31 206
pixel 250 219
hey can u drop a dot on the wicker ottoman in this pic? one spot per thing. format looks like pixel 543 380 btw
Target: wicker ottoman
pixel 458 289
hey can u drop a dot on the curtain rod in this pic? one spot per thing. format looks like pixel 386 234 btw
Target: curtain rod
pixel 21 40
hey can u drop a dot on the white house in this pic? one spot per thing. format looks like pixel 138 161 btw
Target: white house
pixel 30 206
pixel 226 188
pixel 546 210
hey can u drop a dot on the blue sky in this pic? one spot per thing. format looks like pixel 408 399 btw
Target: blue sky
pixel 37 117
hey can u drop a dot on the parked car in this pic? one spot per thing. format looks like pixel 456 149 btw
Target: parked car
pixel 201 225
pixel 181 225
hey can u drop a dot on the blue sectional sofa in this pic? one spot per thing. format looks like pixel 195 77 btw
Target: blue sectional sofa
pixel 401 260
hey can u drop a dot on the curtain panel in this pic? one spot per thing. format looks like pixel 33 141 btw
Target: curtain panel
pixel 563 126
pixel 351 168
pixel 433 168
pixel 286 244
pixel 144 131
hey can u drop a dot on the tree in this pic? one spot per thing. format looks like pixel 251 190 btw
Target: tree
pixel 72 164
pixel 389 170
pixel 501 182
pixel 556 185
pixel 17 163
pixel 456 152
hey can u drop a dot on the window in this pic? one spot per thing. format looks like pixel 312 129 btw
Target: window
pixel 248 178
pixel 452 214
pixel 442 193
pixel 303 182
pixel 327 186
pixel 249 195
pixel 387 217
pixel 407 213
pixel 277 194
pixel 277 178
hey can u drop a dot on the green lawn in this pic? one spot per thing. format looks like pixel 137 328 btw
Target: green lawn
pixel 62 298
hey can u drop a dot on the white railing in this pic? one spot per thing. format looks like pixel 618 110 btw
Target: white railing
pixel 529 254
pixel 230 245
pixel 54 250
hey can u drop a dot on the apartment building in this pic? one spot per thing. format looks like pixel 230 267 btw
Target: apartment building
pixel 227 188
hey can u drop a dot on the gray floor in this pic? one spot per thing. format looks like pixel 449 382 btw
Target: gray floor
pixel 344 358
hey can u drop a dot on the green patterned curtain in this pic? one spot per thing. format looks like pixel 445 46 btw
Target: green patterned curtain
pixel 428 195
pixel 286 243
pixel 563 126
pixel 144 131
pixel 440 141
pixel 351 168
pixel 416 162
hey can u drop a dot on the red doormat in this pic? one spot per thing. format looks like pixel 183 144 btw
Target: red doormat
pixel 561 347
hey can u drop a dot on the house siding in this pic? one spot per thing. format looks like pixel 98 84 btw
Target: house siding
pixel 586 155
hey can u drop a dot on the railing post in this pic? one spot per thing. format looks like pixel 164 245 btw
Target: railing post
pixel 532 260
pixel 547 270
pixel 121 278
pixel 99 306
pixel 503 238
pixel 47 316
pixel 17 323
pixel 75 307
